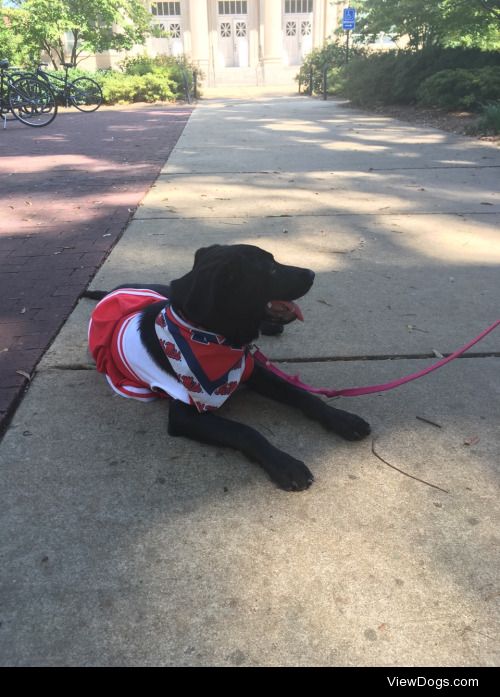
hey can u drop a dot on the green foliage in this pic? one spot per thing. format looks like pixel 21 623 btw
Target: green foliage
pixel 42 24
pixel 144 79
pixel 335 81
pixel 119 88
pixel 89 23
pixel 73 73
pixel 489 121
pixel 177 69
pixel 331 56
pixel 372 80
pixel 418 24
pixel 461 88
pixel 140 65
pixel 395 76
pixel 15 45
pixel 471 24
pixel 418 20
pixel 12 45
pixel 389 77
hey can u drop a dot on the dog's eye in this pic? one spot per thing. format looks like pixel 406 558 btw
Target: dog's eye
pixel 273 270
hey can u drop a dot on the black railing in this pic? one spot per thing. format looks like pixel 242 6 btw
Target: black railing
pixel 190 84
pixel 315 78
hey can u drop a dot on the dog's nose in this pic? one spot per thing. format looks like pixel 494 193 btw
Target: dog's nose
pixel 308 276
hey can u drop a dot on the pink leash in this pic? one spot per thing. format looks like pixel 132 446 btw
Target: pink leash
pixel 357 391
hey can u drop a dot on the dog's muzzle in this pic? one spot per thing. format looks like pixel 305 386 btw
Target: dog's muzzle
pixel 283 311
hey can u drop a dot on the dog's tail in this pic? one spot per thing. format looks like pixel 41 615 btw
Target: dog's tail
pixel 94 294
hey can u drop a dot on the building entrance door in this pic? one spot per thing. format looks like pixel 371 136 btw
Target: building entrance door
pixel 297 37
pixel 173 30
pixel 233 41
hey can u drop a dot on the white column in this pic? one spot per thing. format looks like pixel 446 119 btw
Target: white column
pixel 273 33
pixel 198 28
pixel 212 42
pixel 253 34
pixel 318 23
pixel 331 16
pixel 273 40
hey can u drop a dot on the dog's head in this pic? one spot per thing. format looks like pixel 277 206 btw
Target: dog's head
pixel 232 289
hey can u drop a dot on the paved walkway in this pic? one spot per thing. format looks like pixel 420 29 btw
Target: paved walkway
pixel 122 546
pixel 68 191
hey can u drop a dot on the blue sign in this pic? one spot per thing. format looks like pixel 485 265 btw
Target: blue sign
pixel 349 19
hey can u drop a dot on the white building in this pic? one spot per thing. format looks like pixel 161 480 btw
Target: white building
pixel 245 41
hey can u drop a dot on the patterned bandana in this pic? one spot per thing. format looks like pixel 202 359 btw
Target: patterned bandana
pixel 206 364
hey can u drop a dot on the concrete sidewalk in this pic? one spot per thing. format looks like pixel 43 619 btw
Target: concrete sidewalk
pixel 124 547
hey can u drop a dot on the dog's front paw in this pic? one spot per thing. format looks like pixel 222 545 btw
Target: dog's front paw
pixel 346 425
pixel 288 473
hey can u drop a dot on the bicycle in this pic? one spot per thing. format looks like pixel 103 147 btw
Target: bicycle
pixel 29 100
pixel 83 93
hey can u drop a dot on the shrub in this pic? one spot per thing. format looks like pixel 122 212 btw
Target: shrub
pixel 461 88
pixel 177 69
pixel 370 80
pixel 332 56
pixel 488 123
pixel 335 81
pixel 145 79
pixel 73 73
pixel 140 65
pixel 394 77
pixel 150 87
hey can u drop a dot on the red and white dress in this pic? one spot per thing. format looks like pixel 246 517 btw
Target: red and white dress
pixel 207 368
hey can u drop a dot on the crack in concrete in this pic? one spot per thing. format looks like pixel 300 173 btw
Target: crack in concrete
pixel 333 214
pixel 314 359
pixel 382 357
pixel 337 171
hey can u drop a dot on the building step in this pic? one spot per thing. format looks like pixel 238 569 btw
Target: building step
pixel 281 75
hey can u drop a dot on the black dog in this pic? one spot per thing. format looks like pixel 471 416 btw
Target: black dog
pixel 232 293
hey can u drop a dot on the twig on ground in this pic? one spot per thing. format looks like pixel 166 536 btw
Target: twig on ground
pixel 434 486
pixel 427 421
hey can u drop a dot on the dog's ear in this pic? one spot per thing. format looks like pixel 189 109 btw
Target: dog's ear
pixel 201 294
pixel 202 253
pixel 220 295
pixel 187 296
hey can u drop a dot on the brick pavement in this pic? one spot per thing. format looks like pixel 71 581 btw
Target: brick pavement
pixel 67 192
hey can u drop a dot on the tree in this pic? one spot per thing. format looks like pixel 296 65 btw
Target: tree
pixel 93 25
pixel 491 6
pixel 417 21
pixel 423 23
pixel 471 23
pixel 12 44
